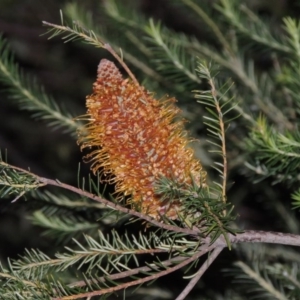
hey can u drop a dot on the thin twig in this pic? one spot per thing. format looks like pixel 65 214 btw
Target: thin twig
pixel 220 243
pixel 96 40
pixel 199 274
pixel 222 137
pixel 139 281
pixel 121 61
pixel 248 236
pixel 107 203
pixel 128 273
pixel 119 207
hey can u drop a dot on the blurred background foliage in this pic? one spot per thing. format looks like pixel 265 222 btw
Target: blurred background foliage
pixel 67 72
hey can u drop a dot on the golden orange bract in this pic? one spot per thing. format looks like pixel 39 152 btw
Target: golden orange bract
pixel 135 139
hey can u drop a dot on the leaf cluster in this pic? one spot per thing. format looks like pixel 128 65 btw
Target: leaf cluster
pixel 30 96
pixel 94 261
pixel 200 207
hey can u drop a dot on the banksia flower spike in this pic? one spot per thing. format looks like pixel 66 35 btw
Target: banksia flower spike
pixel 135 140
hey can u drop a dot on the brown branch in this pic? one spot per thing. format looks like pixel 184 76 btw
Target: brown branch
pixel 128 272
pixel 248 236
pixel 199 274
pixel 121 61
pixel 94 40
pixel 118 207
pixel 252 236
pixel 245 237
pixel 106 203
pixel 139 281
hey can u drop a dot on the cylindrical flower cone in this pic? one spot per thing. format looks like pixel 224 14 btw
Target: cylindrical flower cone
pixel 135 139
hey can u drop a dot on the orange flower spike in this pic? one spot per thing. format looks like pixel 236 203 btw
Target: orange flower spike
pixel 136 140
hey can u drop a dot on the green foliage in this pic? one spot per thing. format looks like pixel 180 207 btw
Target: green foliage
pixel 277 153
pixel 28 94
pixel 227 81
pixel 15 182
pixel 268 282
pixel 62 227
pixel 171 59
pixel 249 26
pixel 92 258
pixel 201 208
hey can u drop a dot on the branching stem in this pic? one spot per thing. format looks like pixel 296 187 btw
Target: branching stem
pixel 205 244
pixel 127 273
pixel 199 274
pixel 222 137
pixel 121 61
pixel 107 203
pixel 139 281
pixel 118 207
pixel 93 39
pixel 249 236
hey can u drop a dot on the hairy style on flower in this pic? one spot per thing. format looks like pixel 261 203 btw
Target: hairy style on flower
pixel 135 140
